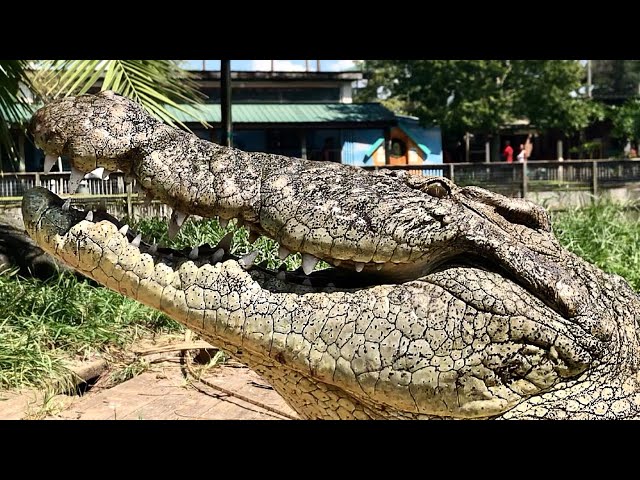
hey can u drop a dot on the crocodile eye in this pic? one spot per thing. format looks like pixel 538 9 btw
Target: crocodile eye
pixel 438 190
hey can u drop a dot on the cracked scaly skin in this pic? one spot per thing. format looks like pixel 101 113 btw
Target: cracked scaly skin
pixel 332 211
pixel 532 331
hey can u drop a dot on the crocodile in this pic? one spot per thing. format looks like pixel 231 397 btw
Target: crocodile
pixel 439 301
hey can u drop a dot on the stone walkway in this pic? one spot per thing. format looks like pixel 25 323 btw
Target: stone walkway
pixel 161 393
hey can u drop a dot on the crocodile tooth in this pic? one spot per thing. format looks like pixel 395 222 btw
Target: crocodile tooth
pixel 153 248
pixel 331 285
pixel 218 255
pixel 337 262
pixel 359 266
pixel 223 222
pixel 176 221
pixel 379 266
pixel 282 275
pixel 66 205
pixel 247 261
pixel 49 162
pixel 283 252
pixel 308 263
pixel 193 254
pixel 75 179
pixel 253 236
pixel 99 173
pixel 225 242
pixel 89 216
pixel 124 229
pixel 136 241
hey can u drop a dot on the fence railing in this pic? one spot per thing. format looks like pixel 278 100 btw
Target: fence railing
pixel 511 179
pixel 518 179
pixel 15 184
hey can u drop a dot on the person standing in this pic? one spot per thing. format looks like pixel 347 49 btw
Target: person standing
pixel 507 153
pixel 522 154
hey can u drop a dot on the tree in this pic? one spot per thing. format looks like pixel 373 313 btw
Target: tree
pixel 153 83
pixel 615 79
pixel 483 95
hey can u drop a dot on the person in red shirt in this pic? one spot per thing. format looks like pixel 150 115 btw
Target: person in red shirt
pixel 507 153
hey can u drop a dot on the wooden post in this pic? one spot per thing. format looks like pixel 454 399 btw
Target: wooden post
pixel 129 188
pixel 525 185
pixel 451 172
pixel 22 167
pixel 466 147
pixel 387 144
pixel 487 151
pixel 303 143
pixel 594 179
pixel 120 187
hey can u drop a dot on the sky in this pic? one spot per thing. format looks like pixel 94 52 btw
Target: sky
pixel 279 65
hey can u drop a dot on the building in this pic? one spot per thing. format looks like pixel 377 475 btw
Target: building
pixel 300 114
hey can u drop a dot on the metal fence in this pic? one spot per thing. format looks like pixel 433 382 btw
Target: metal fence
pixel 15 184
pixel 511 179
pixel 518 179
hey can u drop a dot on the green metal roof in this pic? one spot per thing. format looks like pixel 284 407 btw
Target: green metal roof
pixel 289 113
pixel 278 113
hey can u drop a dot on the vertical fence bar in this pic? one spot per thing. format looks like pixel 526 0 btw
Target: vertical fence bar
pixel 525 185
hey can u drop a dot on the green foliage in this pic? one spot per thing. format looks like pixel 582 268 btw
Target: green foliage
pixel 152 83
pixel 13 101
pixel 626 120
pixel 45 322
pixel 605 234
pixel 615 78
pixel 483 95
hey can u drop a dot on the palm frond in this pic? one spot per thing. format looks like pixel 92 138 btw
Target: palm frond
pixel 15 104
pixel 152 83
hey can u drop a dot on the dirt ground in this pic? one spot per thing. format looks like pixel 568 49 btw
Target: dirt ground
pixel 165 391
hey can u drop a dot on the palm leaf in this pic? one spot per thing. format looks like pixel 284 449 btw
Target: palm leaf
pixel 152 83
pixel 15 105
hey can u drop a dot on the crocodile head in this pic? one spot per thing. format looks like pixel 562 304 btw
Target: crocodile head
pixel 441 301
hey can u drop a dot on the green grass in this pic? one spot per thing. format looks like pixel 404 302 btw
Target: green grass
pixel 604 233
pixel 43 323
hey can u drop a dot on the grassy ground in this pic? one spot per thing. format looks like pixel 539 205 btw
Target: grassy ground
pixel 43 323
pixel 605 234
